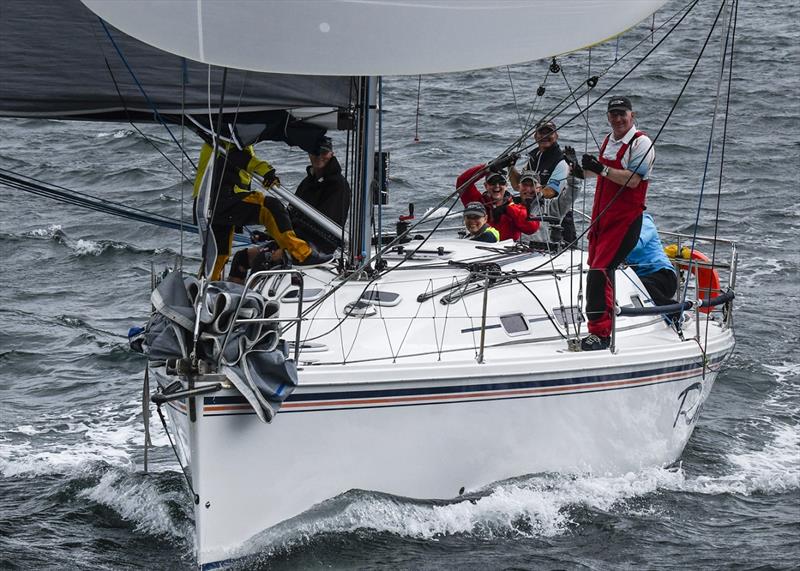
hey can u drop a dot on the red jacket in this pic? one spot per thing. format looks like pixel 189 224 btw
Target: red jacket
pixel 512 222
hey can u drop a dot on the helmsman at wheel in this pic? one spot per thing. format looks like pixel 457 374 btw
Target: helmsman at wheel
pixel 623 172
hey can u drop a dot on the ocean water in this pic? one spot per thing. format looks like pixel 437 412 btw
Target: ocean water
pixel 73 494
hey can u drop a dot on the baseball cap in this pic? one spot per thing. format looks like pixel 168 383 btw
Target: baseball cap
pixel 619 104
pixel 324 144
pixel 545 127
pixel 497 177
pixel 528 175
pixel 474 208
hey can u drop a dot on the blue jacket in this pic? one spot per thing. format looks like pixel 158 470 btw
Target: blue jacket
pixel 648 256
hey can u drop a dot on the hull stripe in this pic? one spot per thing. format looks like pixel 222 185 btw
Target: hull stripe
pixel 344 400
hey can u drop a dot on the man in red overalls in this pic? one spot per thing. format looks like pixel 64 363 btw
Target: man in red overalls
pixel 623 172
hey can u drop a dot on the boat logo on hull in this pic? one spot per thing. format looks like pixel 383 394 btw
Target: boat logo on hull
pixel 690 403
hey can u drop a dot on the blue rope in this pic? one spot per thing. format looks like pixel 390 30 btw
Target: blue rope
pixel 144 93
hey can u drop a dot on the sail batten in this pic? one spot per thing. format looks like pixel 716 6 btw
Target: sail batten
pixel 375 37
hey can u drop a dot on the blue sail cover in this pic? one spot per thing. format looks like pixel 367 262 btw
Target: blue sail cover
pixel 58 60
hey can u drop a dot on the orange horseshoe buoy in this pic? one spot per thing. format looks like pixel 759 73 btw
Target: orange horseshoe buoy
pixel 707 278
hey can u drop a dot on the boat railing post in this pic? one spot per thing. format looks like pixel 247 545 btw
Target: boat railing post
pixel 732 283
pixel 483 316
pixel 300 286
pixel 697 297
pixel 613 345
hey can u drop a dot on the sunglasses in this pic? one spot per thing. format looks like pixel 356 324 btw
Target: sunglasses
pixel 496 182
pixel 473 216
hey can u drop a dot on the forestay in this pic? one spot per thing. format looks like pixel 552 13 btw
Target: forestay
pixel 377 37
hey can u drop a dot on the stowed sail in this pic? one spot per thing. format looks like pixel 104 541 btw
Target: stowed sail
pixel 379 37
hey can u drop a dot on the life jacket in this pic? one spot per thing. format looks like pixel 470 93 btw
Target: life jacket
pixel 544 163
pixel 611 217
pixel 486 234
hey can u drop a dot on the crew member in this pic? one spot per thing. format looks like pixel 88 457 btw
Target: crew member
pixel 623 171
pixel 475 221
pixel 234 203
pixel 510 219
pixel 325 189
pixel 652 265
pixel 534 197
pixel 548 163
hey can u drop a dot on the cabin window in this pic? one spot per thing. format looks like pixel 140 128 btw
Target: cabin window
pixel 360 309
pixel 383 298
pixel 636 301
pixel 568 316
pixel 309 294
pixel 514 324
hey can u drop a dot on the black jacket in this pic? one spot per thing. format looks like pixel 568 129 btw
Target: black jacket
pixel 330 194
pixel 544 163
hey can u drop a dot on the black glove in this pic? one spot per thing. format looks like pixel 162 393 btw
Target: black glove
pixel 590 163
pixel 258 236
pixel 263 259
pixel 503 162
pixel 572 161
pixel 271 179
pixel 498 211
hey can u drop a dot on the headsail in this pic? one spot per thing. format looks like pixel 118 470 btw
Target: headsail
pixel 376 37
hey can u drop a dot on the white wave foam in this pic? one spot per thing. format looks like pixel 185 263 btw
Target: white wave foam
pixel 533 507
pixel 140 502
pixel 765 268
pixel 113 434
pixel 785 372
pixel 118 134
pixel 539 506
pixel 49 232
pixel 87 247
pixel 22 460
pixel 442 211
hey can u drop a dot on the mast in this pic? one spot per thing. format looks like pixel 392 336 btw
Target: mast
pixel 366 118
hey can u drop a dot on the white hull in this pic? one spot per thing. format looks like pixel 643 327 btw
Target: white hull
pixel 426 424
pixel 253 476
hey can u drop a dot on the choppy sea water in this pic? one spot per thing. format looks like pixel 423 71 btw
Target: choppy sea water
pixel 72 490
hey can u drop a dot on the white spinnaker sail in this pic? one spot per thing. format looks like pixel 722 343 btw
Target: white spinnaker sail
pixel 371 37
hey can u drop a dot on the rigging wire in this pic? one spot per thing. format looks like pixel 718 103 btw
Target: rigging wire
pixel 724 139
pixel 655 138
pixel 709 149
pixel 577 103
pixel 416 122
pixel 16 181
pixel 514 95
pixel 454 195
pixel 556 110
pixel 183 145
pixel 141 89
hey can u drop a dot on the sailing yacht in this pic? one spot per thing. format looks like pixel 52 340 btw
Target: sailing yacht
pixel 417 364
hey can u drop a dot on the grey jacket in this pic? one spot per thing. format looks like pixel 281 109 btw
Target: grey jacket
pixel 557 207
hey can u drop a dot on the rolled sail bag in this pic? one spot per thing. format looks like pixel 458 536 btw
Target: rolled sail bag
pixel 220 303
pixel 192 285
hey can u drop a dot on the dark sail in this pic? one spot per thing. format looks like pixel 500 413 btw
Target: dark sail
pixel 60 61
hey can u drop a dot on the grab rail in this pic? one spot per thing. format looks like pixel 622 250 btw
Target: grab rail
pixel 296 320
